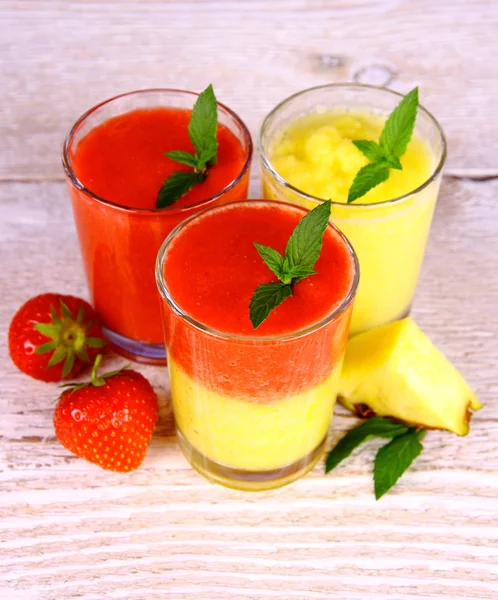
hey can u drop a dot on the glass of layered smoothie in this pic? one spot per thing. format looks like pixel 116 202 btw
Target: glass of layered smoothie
pixel 307 156
pixel 115 163
pixel 252 406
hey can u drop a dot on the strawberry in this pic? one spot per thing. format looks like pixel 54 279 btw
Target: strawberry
pixel 52 337
pixel 108 420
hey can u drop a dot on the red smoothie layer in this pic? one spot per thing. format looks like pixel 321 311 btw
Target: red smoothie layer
pixel 122 160
pixel 212 269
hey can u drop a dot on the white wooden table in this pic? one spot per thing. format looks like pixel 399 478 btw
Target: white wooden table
pixel 70 530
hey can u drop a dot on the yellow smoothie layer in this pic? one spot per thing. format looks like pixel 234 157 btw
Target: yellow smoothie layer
pixel 251 436
pixel 316 155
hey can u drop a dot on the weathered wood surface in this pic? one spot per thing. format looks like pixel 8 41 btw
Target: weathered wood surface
pixel 60 58
pixel 70 530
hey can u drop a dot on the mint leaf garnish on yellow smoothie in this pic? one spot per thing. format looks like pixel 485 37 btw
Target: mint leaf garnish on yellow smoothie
pixel 399 126
pixel 385 155
pixel 301 253
pixel 368 177
pixel 202 132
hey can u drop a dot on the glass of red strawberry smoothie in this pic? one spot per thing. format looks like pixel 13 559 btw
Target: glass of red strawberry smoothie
pixel 115 163
pixel 252 406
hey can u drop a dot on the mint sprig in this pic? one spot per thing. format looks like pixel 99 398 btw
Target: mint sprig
pixel 177 184
pixel 202 129
pixel 273 260
pixel 392 460
pixel 374 427
pixel 301 253
pixel 367 178
pixel 267 297
pixel 385 155
pixel 399 126
pixel 183 157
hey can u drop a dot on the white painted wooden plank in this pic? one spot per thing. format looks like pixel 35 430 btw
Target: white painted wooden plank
pixel 60 58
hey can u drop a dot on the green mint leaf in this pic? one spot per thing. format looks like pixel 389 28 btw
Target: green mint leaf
pixel 399 126
pixel 370 149
pixel 202 128
pixel 184 158
pixel 394 458
pixel 301 253
pixel 266 297
pixel 392 162
pixel 385 155
pixel 298 273
pixel 305 243
pixel 273 259
pixel 374 427
pixel 176 185
pixel 367 178
pixel 203 125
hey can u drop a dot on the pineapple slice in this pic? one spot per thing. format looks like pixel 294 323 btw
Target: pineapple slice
pixel 396 371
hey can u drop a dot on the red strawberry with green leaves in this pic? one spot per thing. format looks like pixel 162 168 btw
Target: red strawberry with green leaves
pixel 52 337
pixel 108 420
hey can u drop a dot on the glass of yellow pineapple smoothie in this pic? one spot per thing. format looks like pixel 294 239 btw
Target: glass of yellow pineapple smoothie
pixel 307 155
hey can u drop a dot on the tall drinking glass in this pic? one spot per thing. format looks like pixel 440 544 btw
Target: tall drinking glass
pixel 252 406
pixel 388 232
pixel 119 243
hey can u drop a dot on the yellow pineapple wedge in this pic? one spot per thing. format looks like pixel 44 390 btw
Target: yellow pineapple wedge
pixel 396 371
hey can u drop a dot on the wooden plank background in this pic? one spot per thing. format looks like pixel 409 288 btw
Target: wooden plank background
pixel 70 530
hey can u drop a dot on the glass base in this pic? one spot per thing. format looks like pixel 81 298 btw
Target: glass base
pixel 252 481
pixel 141 352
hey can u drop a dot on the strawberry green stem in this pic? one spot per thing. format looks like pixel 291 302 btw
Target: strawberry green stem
pixel 96 380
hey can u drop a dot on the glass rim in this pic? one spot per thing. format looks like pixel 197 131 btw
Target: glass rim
pixel 167 296
pixel 269 167
pixel 71 175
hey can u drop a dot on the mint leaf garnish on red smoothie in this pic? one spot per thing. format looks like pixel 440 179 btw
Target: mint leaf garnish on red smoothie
pixel 202 132
pixel 267 297
pixel 301 253
pixel 385 155
pixel 202 128
pixel 176 185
